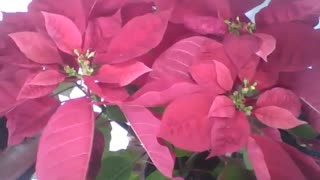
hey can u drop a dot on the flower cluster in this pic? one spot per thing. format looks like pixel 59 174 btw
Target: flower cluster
pixel 188 76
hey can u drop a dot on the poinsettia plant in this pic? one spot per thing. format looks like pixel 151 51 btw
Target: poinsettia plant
pixel 204 91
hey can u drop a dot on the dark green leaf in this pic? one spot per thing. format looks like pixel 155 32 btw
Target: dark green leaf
pixel 159 109
pixel 105 128
pixel 246 160
pixel 304 131
pixel 234 171
pixel 134 176
pixel 156 175
pixel 64 89
pixel 115 168
pixel 182 153
pixel 115 113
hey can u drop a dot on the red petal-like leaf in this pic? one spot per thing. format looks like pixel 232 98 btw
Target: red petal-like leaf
pixel 161 92
pixel 268 45
pixel 280 11
pixel 108 93
pixel 206 76
pixel 100 32
pixel 205 25
pixel 305 84
pixel 36 47
pixel 121 74
pixel 63 32
pixel 40 84
pixel 34 91
pixel 12 78
pixel 96 155
pixel 175 62
pixel 294 52
pixel 307 164
pixel 229 134
pixel 185 122
pixel 242 49
pixel 141 34
pixel 272 133
pixel 47 77
pixel 277 117
pixel 231 8
pixel 224 77
pixel 271 161
pixel 29 118
pixel 280 97
pixel 65 145
pixel 146 127
pixel 265 77
pixel 222 107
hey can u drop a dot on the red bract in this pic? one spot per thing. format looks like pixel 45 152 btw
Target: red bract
pixel 186 75
pixel 24 122
pixel 281 11
pixel 262 152
pixel 65 144
pixel 146 126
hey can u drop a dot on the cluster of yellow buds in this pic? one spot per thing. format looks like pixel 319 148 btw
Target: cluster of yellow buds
pixel 239 97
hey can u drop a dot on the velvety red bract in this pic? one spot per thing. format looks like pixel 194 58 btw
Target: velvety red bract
pixel 100 32
pixel 121 74
pixel 291 53
pixel 174 63
pixel 280 97
pixel 66 142
pixel 47 77
pixel 11 84
pixel 96 155
pixel 281 11
pixel 262 153
pixel 240 49
pixel 141 34
pixel 231 8
pixel 222 107
pixel 24 122
pixel 40 84
pixel 110 93
pixel 206 75
pixel 307 165
pixel 161 92
pixel 205 25
pixel 80 9
pixel 146 127
pixel 277 117
pixel 185 122
pixel 268 45
pixel 305 85
pixel 36 47
pixel 229 134
pixel 63 32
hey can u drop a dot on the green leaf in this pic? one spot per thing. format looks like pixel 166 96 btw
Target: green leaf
pixel 64 89
pixel 156 175
pixel 246 159
pixel 118 165
pixel 134 176
pixel 234 171
pixel 182 153
pixel 159 109
pixel 115 168
pixel 105 128
pixel 115 113
pixel 304 131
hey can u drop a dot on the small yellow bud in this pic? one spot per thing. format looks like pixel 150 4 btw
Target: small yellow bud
pixel 76 52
